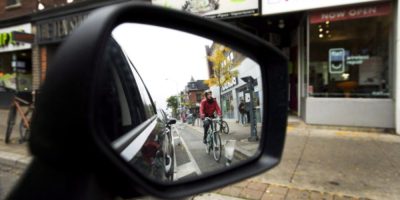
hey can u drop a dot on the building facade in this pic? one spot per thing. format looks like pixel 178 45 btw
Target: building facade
pixel 23 65
pixel 342 58
pixel 193 95
pixel 238 89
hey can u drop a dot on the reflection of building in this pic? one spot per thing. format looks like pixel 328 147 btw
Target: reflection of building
pixel 235 90
pixel 193 94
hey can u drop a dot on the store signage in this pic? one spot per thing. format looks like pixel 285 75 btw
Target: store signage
pixel 350 13
pixel 284 6
pixel 55 30
pixel 213 8
pixel 247 97
pixel 336 60
pixel 230 85
pixel 23 37
pixel 7 43
pixel 357 59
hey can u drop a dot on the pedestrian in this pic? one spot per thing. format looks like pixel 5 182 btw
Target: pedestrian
pixel 242 111
pixel 208 106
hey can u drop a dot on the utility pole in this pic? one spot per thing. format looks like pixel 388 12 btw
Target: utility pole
pixel 249 96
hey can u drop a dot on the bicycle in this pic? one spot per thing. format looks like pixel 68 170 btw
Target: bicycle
pixel 223 126
pixel 213 140
pixel 24 125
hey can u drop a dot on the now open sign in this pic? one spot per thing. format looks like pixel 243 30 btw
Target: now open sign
pixel 336 60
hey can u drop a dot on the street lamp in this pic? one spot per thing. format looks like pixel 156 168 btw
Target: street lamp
pixel 249 95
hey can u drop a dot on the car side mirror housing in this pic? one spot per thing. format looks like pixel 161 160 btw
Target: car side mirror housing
pixel 171 121
pixel 84 90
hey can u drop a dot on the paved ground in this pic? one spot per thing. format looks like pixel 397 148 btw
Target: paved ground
pixel 327 164
pixel 317 164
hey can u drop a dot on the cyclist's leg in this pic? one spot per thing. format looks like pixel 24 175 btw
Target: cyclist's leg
pixel 206 126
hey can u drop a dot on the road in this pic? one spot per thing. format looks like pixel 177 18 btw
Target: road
pixel 191 158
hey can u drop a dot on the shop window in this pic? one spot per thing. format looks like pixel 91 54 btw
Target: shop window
pixel 228 106
pixel 350 57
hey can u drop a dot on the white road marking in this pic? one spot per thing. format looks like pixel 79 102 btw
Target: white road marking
pixel 184 170
pixel 187 168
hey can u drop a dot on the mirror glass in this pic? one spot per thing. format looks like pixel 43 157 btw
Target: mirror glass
pixel 166 85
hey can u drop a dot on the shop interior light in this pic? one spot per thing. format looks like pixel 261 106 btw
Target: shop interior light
pixel 70 1
pixel 327 22
pixel 321 35
pixel 327 31
pixel 321 29
pixel 346 76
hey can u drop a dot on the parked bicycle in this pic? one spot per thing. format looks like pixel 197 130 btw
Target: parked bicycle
pixel 26 115
pixel 213 139
pixel 222 126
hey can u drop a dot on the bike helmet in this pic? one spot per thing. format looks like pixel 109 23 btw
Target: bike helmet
pixel 206 92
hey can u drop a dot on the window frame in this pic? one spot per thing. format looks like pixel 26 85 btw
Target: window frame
pixel 8 4
pixel 389 61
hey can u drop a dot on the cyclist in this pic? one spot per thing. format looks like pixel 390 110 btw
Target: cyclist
pixel 208 106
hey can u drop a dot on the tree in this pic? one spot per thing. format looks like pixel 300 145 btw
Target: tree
pixel 222 68
pixel 172 102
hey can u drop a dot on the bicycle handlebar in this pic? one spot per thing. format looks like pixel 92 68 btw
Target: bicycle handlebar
pixel 212 119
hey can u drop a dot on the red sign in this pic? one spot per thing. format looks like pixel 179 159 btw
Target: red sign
pixel 341 14
pixel 23 37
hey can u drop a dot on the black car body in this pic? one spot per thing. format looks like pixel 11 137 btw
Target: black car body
pixel 152 153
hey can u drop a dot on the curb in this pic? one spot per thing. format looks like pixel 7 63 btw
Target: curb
pixel 14 161
pixel 240 155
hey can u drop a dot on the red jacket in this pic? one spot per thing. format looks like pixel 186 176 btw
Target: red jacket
pixel 208 109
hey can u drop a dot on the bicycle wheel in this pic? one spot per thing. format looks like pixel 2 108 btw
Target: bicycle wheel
pixel 224 127
pixel 24 131
pixel 10 123
pixel 217 146
pixel 209 146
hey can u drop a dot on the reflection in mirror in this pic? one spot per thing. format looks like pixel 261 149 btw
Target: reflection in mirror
pixel 171 88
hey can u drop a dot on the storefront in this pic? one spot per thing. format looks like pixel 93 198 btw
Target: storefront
pixel 15 64
pixel 238 90
pixel 50 34
pixel 341 59
pixel 350 65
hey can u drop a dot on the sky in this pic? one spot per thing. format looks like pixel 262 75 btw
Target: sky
pixel 166 59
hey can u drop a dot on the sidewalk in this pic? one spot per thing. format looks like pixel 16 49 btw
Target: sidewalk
pixel 326 164
pixel 317 163
pixel 13 155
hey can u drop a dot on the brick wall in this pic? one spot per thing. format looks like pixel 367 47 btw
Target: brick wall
pixel 192 97
pixel 26 7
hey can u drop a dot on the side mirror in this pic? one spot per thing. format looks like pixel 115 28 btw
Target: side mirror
pixel 100 89
pixel 171 121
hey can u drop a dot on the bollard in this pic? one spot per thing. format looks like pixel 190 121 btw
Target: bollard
pixel 229 151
